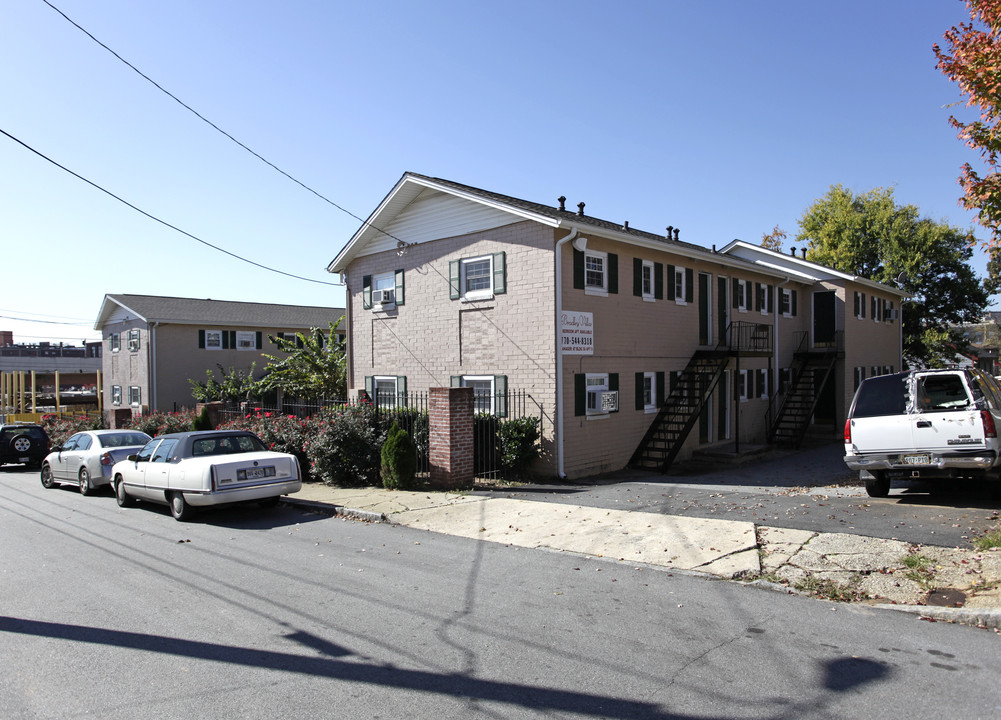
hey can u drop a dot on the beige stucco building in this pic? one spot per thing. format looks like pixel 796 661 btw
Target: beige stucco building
pixel 154 345
pixel 633 347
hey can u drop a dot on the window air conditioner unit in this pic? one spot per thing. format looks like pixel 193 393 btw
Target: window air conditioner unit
pixel 381 297
pixel 609 400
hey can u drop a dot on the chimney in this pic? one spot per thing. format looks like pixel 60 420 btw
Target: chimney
pixel 562 199
pixel 580 209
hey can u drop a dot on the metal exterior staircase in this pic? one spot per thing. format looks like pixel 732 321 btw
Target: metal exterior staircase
pixel 810 373
pixel 680 412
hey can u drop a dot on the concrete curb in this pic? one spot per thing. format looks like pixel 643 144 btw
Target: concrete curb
pixel 330 509
pixel 980 618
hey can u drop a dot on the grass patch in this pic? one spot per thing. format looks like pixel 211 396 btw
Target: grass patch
pixel 915 561
pixel 831 590
pixel 919 569
pixel 988 541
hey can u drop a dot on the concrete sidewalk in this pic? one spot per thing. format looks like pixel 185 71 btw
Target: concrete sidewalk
pixel 834 565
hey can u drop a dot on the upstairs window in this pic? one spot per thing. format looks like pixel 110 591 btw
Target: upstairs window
pixel 478 278
pixel 680 284
pixel 787 302
pixel 115 341
pixel 594 271
pixel 741 294
pixel 384 291
pixel 134 340
pixel 860 305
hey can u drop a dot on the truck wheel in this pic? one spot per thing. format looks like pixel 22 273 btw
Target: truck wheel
pixel 179 507
pixel 878 485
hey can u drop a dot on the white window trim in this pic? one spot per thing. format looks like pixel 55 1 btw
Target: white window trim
pixel 786 294
pixel 375 389
pixel 652 406
pixel 242 335
pixel 116 394
pixel 382 278
pixel 594 289
pixel 133 340
pixel 116 342
pixel 217 334
pixel 680 285
pixel 763 373
pixel 744 377
pixel 482 378
pixel 648 296
pixel 486 293
pixel 137 401
pixel 741 296
pixel 596 414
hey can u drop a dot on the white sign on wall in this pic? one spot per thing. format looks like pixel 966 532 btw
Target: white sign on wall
pixel 576 333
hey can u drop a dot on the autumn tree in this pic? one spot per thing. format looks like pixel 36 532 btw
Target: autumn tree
pixel 774 239
pixel 972 59
pixel 870 235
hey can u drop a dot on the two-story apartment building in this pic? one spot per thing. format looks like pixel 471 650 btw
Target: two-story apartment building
pixel 634 347
pixel 154 345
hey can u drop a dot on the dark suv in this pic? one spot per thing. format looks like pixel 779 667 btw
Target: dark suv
pixel 23 443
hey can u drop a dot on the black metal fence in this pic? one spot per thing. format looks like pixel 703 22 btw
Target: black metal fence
pixel 410 412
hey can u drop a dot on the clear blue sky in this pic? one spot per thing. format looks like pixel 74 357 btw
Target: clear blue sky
pixel 723 119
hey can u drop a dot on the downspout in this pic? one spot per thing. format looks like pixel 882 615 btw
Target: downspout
pixel 151 366
pixel 559 354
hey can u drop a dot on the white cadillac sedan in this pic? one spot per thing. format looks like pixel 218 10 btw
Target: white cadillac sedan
pixel 210 467
pixel 86 458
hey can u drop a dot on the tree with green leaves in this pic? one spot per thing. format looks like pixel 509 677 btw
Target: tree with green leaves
pixel 313 366
pixel 870 235
pixel 972 59
pixel 236 385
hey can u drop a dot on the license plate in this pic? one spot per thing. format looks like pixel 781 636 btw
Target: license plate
pixel 917 459
pixel 24 459
pixel 256 473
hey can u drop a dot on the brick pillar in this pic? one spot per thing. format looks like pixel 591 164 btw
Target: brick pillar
pixel 450 437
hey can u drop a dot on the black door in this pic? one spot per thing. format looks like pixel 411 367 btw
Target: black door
pixel 824 322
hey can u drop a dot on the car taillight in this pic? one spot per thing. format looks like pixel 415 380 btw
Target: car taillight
pixel 106 460
pixel 848 431
pixel 990 431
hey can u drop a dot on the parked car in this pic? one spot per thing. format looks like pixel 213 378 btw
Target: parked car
pixel 925 424
pixel 86 458
pixel 24 443
pixel 211 467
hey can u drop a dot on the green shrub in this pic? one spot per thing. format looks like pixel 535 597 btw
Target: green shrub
pixel 399 459
pixel 345 449
pixel 202 421
pixel 517 445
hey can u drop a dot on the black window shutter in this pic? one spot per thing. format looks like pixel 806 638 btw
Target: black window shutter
pixel 578 269
pixel 225 339
pixel 856 302
pixel 794 303
pixel 500 273
pixel 760 383
pixel 366 292
pixel 400 295
pixel 579 392
pixel 500 395
pixel 736 293
pixel 637 277
pixel 257 340
pixel 613 273
pixel 659 390
pixel 862 306
pixel 658 281
pixel 770 299
pixel 639 391
pixel 201 339
pixel 689 285
pixel 454 270
pixel 672 292
pixel 232 339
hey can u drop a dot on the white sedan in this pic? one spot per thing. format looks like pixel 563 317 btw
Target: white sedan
pixel 209 467
pixel 86 458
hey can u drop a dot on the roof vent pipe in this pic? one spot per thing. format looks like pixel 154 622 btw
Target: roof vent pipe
pixel 670 229
pixel 580 209
pixel 677 231
pixel 625 226
pixel 563 200
pixel 803 252
pixel 792 251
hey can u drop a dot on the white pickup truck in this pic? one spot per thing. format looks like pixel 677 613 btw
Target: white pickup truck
pixel 924 424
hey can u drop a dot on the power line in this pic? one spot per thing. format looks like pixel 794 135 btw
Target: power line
pixel 163 222
pixel 47 322
pixel 204 119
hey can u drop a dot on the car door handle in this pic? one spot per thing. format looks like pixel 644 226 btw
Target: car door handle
pixel 924 423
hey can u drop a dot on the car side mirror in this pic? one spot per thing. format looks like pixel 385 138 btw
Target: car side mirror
pixel 132 458
pixel 56 448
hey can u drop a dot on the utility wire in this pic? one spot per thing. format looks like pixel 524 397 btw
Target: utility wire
pixel 162 222
pixel 47 322
pixel 216 127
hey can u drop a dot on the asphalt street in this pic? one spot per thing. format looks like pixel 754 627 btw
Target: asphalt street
pixel 261 613
pixel 806 490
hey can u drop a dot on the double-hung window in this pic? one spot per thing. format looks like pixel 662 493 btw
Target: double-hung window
pixel 742 385
pixel 135 396
pixel 595 271
pixel 134 340
pixel 478 278
pixel 384 291
pixel 116 394
pixel 596 394
pixel 787 302
pixel 860 305
pixel 115 340
pixel 489 392
pixel 647 280
pixel 387 390
pixel 649 391
pixel 741 292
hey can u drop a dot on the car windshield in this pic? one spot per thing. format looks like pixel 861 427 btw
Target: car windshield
pixel 123 439
pixel 941 392
pixel 226 445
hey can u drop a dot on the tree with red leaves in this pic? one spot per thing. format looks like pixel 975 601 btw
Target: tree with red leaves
pixel 972 58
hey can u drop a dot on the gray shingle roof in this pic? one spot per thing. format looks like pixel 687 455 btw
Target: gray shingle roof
pixel 191 311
